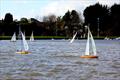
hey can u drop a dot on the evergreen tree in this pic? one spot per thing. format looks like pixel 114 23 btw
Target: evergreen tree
pixel 97 15
pixel 115 19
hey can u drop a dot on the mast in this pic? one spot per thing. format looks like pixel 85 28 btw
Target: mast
pixel 20 37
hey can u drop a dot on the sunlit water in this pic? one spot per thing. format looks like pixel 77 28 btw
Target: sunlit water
pixel 60 60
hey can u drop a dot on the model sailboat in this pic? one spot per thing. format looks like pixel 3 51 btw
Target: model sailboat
pixel 13 39
pixel 32 37
pixel 87 52
pixel 73 37
pixel 24 44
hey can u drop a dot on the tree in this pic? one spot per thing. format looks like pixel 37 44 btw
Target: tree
pixel 75 17
pixel 97 15
pixel 23 20
pixel 72 22
pixel 115 19
pixel 8 18
pixel 59 26
pixel 45 19
pixel 9 26
pixel 50 20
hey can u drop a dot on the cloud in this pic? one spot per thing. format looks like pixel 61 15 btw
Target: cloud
pixel 108 2
pixel 56 7
pixel 60 7
pixel 32 8
pixel 20 1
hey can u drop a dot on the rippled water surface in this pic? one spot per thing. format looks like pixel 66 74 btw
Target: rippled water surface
pixel 59 60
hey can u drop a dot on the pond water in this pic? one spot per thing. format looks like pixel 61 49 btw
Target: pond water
pixel 59 60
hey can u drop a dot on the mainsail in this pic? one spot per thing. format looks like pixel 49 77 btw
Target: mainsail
pixel 90 37
pixel 32 37
pixel 13 37
pixel 73 37
pixel 26 47
pixel 87 53
pixel 87 46
pixel 93 44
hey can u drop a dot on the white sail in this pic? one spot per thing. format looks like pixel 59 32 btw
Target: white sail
pixel 32 37
pixel 87 46
pixel 26 47
pixel 90 38
pixel 24 34
pixel 81 36
pixel 93 43
pixel 13 37
pixel 73 38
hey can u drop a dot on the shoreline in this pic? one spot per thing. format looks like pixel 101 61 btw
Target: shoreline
pixel 55 37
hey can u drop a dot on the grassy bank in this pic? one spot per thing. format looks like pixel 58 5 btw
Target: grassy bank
pixel 52 37
pixel 36 37
pixel 5 37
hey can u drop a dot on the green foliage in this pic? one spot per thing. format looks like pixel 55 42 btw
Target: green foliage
pixel 109 19
pixel 23 20
pixel 115 19
pixel 72 22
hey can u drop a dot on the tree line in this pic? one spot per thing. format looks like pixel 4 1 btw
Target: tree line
pixel 107 19
pixel 100 18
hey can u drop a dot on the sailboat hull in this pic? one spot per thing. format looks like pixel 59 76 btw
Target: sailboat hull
pixel 88 56
pixel 22 52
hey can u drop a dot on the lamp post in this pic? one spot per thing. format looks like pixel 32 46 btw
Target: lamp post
pixel 86 30
pixel 66 31
pixel 56 28
pixel 98 28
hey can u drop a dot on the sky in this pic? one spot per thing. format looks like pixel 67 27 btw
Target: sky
pixel 39 8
